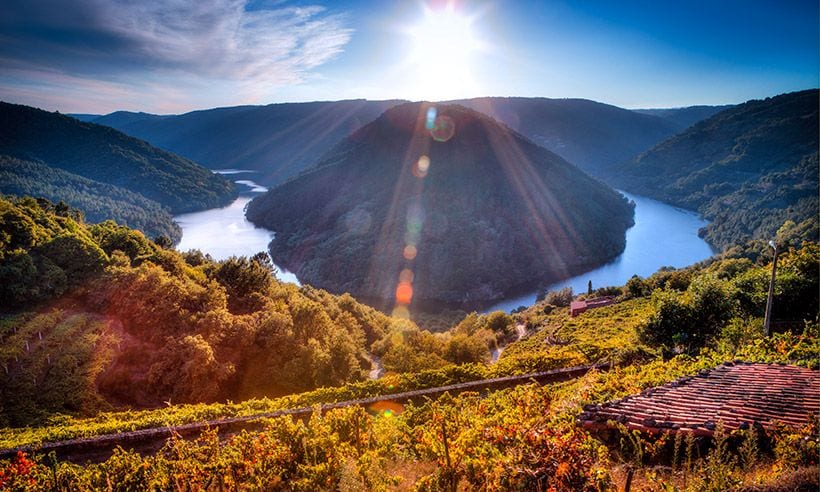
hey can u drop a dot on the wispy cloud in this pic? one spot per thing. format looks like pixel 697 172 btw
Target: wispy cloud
pixel 124 51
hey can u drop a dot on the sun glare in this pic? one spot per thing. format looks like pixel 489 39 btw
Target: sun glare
pixel 444 46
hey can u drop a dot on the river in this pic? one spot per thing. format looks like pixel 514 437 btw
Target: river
pixel 662 236
pixel 224 232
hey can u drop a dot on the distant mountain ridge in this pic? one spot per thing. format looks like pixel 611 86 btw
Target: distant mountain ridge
pixel 592 135
pixel 748 169
pixel 278 140
pixel 686 116
pixel 488 213
pixel 282 140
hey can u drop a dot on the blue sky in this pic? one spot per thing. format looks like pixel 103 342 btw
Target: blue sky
pixel 172 56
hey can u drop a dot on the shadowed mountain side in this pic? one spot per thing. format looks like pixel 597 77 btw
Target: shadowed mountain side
pixel 747 169
pixel 489 213
pixel 106 155
pixel 279 140
pixel 98 201
pixel 592 135
pixel 686 116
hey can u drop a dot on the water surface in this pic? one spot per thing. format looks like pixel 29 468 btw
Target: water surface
pixel 662 236
pixel 224 232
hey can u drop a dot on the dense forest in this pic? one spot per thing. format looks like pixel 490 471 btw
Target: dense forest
pixel 97 316
pixel 746 169
pixel 108 156
pixel 473 217
pixel 98 201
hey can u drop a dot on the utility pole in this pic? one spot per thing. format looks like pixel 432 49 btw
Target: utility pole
pixel 768 321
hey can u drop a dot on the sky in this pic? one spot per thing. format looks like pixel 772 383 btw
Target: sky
pixel 174 56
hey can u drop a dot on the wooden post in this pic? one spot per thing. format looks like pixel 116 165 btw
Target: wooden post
pixel 768 322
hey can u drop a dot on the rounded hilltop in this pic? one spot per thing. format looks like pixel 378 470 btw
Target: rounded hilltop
pixel 440 203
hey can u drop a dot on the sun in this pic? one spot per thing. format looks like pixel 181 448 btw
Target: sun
pixel 444 46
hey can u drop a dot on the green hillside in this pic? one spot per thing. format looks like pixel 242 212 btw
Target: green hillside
pixel 522 438
pixel 95 317
pixel 98 201
pixel 747 169
pixel 106 155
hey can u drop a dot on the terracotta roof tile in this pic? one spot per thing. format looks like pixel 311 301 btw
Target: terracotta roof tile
pixel 739 394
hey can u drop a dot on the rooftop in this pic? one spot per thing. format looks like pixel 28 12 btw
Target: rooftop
pixel 740 394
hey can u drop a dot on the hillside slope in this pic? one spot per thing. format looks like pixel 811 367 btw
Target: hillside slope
pixel 97 315
pixel 283 139
pixel 98 201
pixel 747 169
pixel 485 213
pixel 592 135
pixel 279 140
pixel 686 116
pixel 106 155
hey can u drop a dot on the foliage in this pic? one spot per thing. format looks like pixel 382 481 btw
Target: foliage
pixel 98 201
pixel 560 298
pixel 687 321
pixel 747 169
pixel 522 438
pixel 139 325
pixel 105 155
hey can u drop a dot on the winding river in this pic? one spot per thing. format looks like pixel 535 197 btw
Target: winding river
pixel 662 236
pixel 224 232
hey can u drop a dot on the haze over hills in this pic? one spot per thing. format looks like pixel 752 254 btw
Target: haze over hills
pixel 101 171
pixel 686 116
pixel 589 134
pixel 279 140
pixel 748 169
pixel 488 213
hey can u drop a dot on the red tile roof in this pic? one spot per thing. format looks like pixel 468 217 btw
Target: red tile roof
pixel 737 393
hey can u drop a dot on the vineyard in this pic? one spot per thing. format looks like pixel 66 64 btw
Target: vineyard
pixel 129 341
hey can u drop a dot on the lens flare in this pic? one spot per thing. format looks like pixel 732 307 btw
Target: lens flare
pixel 421 167
pixel 431 117
pixel 443 129
pixel 404 293
pixel 410 252
pixel 401 312
pixel 406 275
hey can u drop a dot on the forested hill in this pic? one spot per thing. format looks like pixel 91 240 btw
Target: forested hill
pixel 106 155
pixel 592 135
pixel 279 140
pixel 98 315
pixel 486 212
pixel 748 169
pixel 686 116
pixel 98 201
